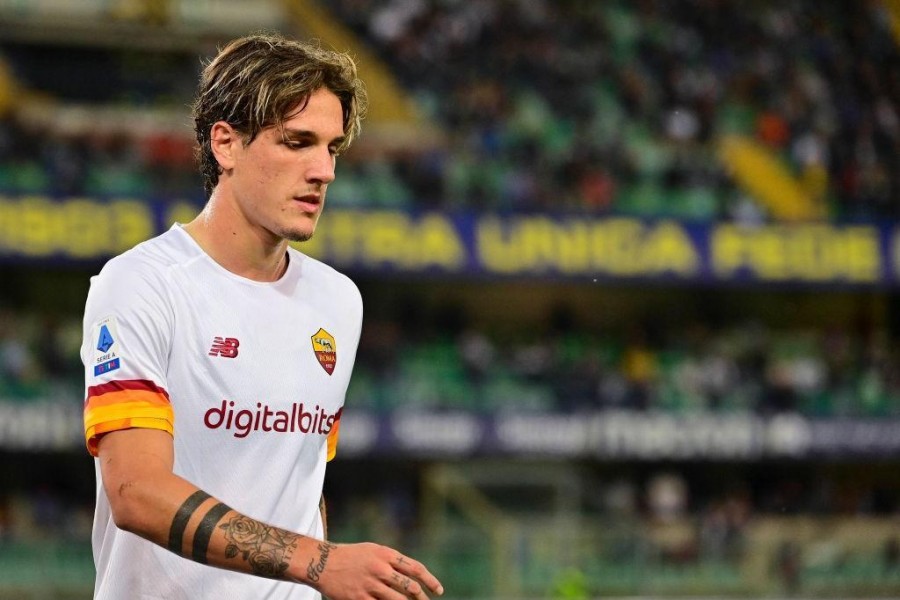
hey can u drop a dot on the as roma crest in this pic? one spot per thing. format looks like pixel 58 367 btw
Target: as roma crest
pixel 326 349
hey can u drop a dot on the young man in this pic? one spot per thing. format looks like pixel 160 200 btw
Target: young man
pixel 217 358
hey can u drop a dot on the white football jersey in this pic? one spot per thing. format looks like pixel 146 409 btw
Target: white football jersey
pixel 248 377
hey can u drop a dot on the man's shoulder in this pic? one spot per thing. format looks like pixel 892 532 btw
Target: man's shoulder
pixel 140 277
pixel 321 274
pixel 315 268
pixel 151 258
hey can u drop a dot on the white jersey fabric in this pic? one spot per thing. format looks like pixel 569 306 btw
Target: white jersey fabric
pixel 248 377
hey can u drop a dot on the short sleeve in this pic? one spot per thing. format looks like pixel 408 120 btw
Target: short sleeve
pixel 333 436
pixel 127 334
pixel 354 298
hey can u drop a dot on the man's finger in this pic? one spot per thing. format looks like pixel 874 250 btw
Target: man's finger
pixel 389 593
pixel 408 587
pixel 416 570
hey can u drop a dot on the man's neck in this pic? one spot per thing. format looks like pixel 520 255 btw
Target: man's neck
pixel 240 247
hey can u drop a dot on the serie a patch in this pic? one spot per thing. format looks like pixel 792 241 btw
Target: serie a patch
pixel 106 346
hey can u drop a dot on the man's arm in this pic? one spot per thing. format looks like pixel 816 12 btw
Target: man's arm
pixel 149 500
pixel 324 514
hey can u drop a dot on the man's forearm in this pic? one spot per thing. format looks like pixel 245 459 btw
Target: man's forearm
pixel 324 514
pixel 199 527
pixel 149 500
pixel 210 532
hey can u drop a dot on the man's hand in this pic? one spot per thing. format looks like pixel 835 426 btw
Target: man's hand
pixel 367 571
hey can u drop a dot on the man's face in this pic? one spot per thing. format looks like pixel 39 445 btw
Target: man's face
pixel 279 179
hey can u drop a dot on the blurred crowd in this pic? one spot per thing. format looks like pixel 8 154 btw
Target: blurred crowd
pixel 679 368
pixel 39 157
pixel 565 105
pixel 663 516
pixel 618 105
pixel 446 364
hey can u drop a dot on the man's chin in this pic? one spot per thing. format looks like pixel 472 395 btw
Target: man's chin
pixel 298 236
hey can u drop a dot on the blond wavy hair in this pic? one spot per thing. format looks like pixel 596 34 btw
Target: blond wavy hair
pixel 256 81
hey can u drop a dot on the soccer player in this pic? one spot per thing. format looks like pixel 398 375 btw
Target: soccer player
pixel 217 358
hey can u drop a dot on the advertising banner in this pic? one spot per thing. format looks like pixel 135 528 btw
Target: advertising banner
pixel 601 435
pixel 551 246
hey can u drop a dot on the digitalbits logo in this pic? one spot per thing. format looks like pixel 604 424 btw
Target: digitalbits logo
pixel 296 419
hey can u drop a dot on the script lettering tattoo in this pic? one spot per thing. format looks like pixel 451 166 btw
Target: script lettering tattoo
pixel 182 516
pixel 267 549
pixel 315 569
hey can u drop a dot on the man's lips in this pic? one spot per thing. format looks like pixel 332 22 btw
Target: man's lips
pixel 309 202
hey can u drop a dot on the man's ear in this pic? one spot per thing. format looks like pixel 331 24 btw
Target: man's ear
pixel 223 140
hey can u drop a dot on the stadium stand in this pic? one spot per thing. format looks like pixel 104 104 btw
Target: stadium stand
pixel 535 433
pixel 684 369
pixel 692 110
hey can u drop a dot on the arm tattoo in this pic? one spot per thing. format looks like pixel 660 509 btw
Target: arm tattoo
pixel 179 523
pixel 267 549
pixel 315 569
pixel 205 531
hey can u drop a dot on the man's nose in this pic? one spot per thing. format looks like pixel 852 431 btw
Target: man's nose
pixel 321 169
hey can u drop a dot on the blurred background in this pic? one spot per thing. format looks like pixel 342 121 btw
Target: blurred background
pixel 630 271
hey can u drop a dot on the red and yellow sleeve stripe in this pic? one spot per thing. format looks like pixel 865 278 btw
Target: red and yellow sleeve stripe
pixel 333 435
pixel 123 405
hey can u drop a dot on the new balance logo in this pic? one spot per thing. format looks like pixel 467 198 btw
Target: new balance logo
pixel 224 347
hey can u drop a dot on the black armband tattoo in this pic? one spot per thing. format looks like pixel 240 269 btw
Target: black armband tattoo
pixel 205 530
pixel 182 516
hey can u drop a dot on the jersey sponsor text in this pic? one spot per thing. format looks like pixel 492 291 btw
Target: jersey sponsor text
pixel 264 418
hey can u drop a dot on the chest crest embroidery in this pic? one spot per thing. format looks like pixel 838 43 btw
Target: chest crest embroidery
pixel 326 349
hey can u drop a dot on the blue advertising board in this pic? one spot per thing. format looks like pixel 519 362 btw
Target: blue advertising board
pixel 489 245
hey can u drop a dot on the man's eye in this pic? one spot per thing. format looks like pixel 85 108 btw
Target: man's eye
pixel 298 143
